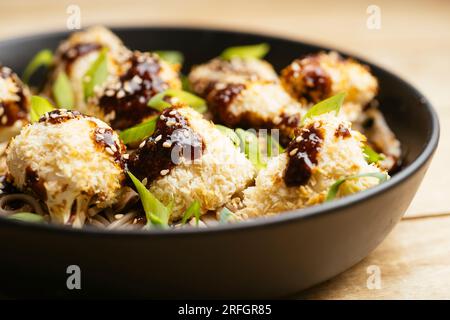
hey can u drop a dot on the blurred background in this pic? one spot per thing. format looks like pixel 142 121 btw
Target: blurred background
pixel 409 38
pixel 413 40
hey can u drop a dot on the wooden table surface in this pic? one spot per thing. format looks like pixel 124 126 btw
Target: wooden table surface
pixel 414 42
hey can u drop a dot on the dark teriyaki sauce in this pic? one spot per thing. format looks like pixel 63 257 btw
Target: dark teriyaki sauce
pixel 129 100
pixel 35 184
pixel 69 56
pixel 222 99
pixel 302 155
pixel 172 140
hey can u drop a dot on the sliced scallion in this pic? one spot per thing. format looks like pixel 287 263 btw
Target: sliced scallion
pixel 62 91
pixel 97 74
pixel 332 104
pixel 171 56
pixel 192 211
pixel 27 217
pixel 257 51
pixel 39 106
pixel 43 58
pixel 139 132
pixel 158 103
pixel 371 155
pixel 334 189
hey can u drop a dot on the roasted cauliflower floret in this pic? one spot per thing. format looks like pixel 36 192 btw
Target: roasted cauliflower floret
pixel 70 162
pixel 187 159
pixel 325 149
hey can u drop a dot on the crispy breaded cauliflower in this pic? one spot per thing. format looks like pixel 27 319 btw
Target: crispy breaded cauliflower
pixel 324 150
pixel 70 162
pixel 122 100
pixel 75 56
pixel 133 77
pixel 246 93
pixel 14 104
pixel 188 158
pixel 322 75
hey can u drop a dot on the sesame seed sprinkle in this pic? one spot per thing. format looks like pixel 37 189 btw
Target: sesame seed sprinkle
pixel 164 172
pixel 293 152
pixel 167 144
pixel 142 144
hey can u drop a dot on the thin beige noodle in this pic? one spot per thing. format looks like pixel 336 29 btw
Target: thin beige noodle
pixel 123 220
pixel 27 199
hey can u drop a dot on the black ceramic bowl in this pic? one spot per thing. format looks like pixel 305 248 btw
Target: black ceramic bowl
pixel 264 258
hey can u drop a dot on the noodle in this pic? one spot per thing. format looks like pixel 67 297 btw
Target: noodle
pixel 32 203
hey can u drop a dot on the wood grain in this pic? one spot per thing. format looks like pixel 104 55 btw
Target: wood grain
pixel 414 41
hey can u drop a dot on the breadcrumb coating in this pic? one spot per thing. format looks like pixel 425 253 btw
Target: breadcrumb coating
pixel 70 162
pixel 14 104
pixel 212 178
pixel 133 77
pixel 319 76
pixel 246 93
pixel 339 155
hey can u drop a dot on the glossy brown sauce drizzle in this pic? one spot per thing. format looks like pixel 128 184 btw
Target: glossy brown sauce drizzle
pixel 12 111
pixel 342 132
pixel 221 100
pixel 129 100
pixel 104 137
pixel 172 140
pixel 35 184
pixel 60 115
pixel 6 187
pixel 69 56
pixel 302 153
pixel 306 79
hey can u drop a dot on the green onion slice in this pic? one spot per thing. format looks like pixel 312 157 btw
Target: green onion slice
pixel 192 211
pixel 139 132
pixel 371 155
pixel 382 177
pixel 39 106
pixel 43 58
pixel 230 134
pixel 27 217
pixel 185 83
pixel 257 51
pixel 157 213
pixel 62 91
pixel 97 74
pixel 157 102
pixel 171 56
pixel 332 104
pixel 250 147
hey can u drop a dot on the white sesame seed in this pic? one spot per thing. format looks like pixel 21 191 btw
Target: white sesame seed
pixel 126 156
pixel 173 112
pixel 4 119
pixel 144 181
pixel 109 92
pixel 120 94
pixel 2 111
pixel 293 152
pixel 142 144
pixel 162 117
pixel 158 138
pixel 113 148
pixel 164 172
pixel 118 216
pixel 170 123
pixel 298 139
pixel 108 150
pixel 167 144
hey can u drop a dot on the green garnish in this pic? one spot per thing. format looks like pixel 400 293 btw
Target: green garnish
pixel 382 177
pixel 27 217
pixel 39 106
pixel 158 102
pixel 157 214
pixel 139 132
pixel 171 56
pixel 185 84
pixel 97 74
pixel 43 58
pixel 257 51
pixel 250 147
pixel 273 145
pixel 224 215
pixel 230 134
pixel 192 211
pixel 62 91
pixel 371 155
pixel 332 104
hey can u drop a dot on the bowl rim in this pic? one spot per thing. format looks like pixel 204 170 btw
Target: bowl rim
pixel 262 222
